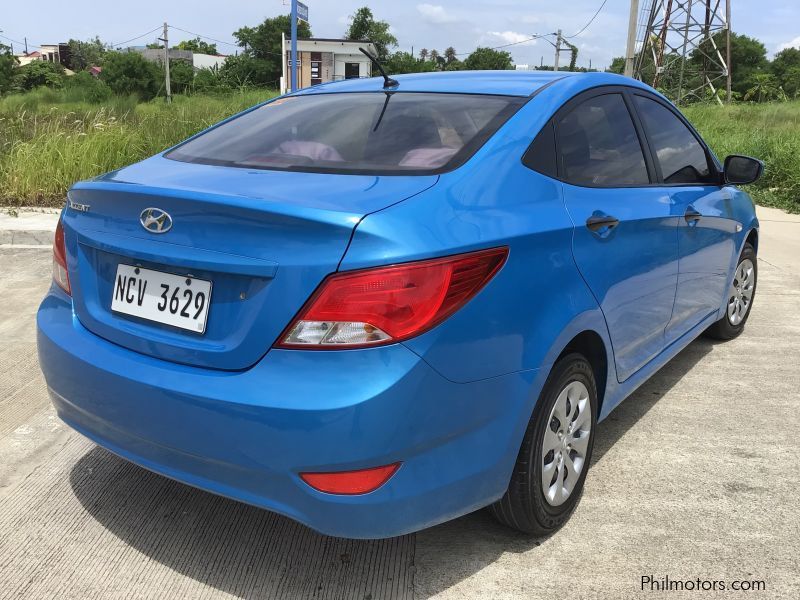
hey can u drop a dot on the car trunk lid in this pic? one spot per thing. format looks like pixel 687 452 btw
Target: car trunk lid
pixel 265 239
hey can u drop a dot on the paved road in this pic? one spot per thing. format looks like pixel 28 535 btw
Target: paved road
pixel 696 475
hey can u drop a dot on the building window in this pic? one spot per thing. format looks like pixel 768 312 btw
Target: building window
pixel 351 70
pixel 316 72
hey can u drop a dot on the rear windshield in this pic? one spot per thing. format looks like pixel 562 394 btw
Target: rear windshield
pixel 372 132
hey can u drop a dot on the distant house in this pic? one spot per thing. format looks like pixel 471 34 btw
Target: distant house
pixel 324 59
pixel 197 60
pixel 25 59
pixel 157 54
pixel 207 61
pixel 55 53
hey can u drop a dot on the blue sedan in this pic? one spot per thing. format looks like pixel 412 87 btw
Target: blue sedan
pixel 373 306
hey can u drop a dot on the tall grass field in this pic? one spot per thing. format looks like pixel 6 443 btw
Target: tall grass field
pixel 48 141
pixel 46 144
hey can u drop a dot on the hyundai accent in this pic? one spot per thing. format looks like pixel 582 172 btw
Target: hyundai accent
pixel 376 305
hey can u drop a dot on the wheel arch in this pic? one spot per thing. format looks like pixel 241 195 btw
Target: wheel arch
pixel 752 239
pixel 590 344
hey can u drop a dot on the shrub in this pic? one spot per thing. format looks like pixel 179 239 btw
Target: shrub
pixel 129 73
pixel 39 73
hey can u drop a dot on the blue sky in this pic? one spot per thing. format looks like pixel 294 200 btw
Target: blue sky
pixel 463 24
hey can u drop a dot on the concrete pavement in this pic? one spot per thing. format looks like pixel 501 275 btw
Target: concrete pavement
pixel 28 226
pixel 695 475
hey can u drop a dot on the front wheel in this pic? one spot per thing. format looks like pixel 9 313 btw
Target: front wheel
pixel 551 467
pixel 740 297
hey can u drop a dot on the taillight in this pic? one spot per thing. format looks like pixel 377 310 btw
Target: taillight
pixel 60 275
pixel 383 305
pixel 362 481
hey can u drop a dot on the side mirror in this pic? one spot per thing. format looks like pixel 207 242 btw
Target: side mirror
pixel 740 170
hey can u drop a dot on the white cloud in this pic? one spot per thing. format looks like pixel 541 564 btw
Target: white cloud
pixel 433 13
pixel 513 37
pixel 795 43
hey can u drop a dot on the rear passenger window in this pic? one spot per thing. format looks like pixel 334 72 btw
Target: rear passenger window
pixel 599 145
pixel 681 157
pixel 541 155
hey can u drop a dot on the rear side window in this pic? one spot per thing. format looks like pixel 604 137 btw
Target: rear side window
pixel 599 145
pixel 679 154
pixel 372 132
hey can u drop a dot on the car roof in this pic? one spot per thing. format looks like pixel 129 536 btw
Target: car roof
pixel 505 83
pixel 508 83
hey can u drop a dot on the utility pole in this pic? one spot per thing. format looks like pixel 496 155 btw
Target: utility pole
pixel 294 45
pixel 728 50
pixel 165 39
pixel 558 50
pixel 630 52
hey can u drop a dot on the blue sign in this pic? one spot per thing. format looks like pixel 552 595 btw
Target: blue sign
pixel 302 11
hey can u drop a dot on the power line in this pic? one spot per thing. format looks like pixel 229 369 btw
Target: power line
pixel 13 40
pixel 205 37
pixel 534 37
pixel 585 27
pixel 117 44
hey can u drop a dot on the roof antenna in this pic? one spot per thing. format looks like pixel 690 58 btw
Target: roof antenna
pixel 387 81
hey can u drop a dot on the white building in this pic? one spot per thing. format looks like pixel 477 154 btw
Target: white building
pixel 322 59
pixel 207 61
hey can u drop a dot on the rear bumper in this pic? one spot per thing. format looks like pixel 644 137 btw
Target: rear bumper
pixel 247 434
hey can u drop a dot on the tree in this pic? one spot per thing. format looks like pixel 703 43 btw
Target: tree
pixel 617 65
pixel 748 59
pixel 39 73
pixel 181 76
pixel 450 54
pixel 129 73
pixel 484 59
pixel 8 64
pixel 764 88
pixel 83 55
pixel 405 62
pixel 785 67
pixel 261 57
pixel 88 86
pixel 363 26
pixel 791 81
pixel 197 45
pixel 206 80
pixel 423 54
pixel 243 71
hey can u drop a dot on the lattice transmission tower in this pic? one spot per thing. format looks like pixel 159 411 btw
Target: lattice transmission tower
pixel 683 48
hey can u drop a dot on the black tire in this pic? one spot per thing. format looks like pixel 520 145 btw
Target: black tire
pixel 724 329
pixel 524 506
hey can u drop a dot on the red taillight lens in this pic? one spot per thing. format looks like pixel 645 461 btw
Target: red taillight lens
pixel 350 482
pixel 60 274
pixel 389 304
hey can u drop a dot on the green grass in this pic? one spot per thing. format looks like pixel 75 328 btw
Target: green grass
pixel 770 132
pixel 47 144
pixel 50 139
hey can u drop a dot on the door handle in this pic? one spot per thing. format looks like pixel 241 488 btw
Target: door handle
pixel 597 222
pixel 691 216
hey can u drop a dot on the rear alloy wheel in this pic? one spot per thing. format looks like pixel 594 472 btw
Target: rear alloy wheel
pixel 739 299
pixel 551 467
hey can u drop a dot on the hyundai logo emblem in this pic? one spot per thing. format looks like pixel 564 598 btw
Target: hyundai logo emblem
pixel 155 220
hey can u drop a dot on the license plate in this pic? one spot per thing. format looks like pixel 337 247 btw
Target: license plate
pixel 162 297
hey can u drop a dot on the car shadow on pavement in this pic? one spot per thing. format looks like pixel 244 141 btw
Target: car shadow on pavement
pixel 252 553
